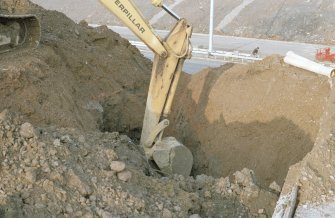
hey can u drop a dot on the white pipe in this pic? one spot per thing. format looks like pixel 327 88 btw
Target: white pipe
pixel 211 24
pixel 286 204
pixel 304 63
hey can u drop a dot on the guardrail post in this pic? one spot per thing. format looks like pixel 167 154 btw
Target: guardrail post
pixel 211 23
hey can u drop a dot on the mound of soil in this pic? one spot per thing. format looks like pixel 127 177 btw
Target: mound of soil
pixel 78 77
pixel 264 116
pixel 314 175
pixel 48 172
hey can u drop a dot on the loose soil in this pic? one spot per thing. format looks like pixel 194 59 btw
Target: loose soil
pixel 78 77
pixel 264 116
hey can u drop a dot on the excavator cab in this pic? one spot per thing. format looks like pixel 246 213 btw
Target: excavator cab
pixel 169 155
pixel 19 31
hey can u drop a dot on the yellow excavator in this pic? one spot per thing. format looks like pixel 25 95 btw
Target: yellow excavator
pixel 19 31
pixel 170 53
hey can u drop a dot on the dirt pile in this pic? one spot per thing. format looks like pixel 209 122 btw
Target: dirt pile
pixel 78 77
pixel 264 116
pixel 70 173
pixel 314 175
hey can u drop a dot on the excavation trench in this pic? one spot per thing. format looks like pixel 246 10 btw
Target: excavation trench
pixel 264 116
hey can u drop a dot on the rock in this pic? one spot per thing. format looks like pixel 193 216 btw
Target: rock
pixel 275 186
pixel 124 139
pixel 53 152
pixel 222 186
pixel 160 206
pixel 195 216
pixel 249 192
pixel 93 198
pixel 115 135
pixel 69 209
pixel 111 155
pixel 19 187
pixel 78 214
pixel 81 139
pixel 39 205
pixel 94 180
pixel 88 214
pixel 76 182
pixel 65 139
pixel 202 180
pixel 261 211
pixel 124 176
pixel 56 142
pixel 34 162
pixel 117 166
pixel 177 208
pixel 27 131
pixel 106 214
pixel 244 177
pixel 56 176
pixel 207 194
pixel 76 31
pixel 3 115
pixel 31 175
pixel 167 213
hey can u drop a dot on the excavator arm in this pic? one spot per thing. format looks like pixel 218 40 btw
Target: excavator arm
pixel 132 18
pixel 170 54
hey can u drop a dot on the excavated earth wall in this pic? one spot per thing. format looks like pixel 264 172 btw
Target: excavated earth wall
pixel 78 77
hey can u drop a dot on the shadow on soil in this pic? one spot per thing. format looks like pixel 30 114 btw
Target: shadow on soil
pixel 221 148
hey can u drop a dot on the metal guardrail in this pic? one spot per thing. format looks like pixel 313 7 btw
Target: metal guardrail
pixel 224 56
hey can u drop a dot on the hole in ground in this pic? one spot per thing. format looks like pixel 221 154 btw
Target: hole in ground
pixel 264 117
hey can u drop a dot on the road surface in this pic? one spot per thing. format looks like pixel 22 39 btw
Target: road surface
pixel 230 43
pixel 245 45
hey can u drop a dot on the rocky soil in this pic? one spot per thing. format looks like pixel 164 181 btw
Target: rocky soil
pixel 50 172
pixel 78 77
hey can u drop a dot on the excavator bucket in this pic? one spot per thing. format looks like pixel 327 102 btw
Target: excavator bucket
pixel 19 31
pixel 172 157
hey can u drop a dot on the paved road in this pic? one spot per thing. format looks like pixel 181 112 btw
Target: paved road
pixel 229 43
pixel 245 45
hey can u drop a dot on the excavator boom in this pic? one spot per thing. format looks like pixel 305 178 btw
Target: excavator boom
pixel 127 13
pixel 170 54
pixel 19 31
